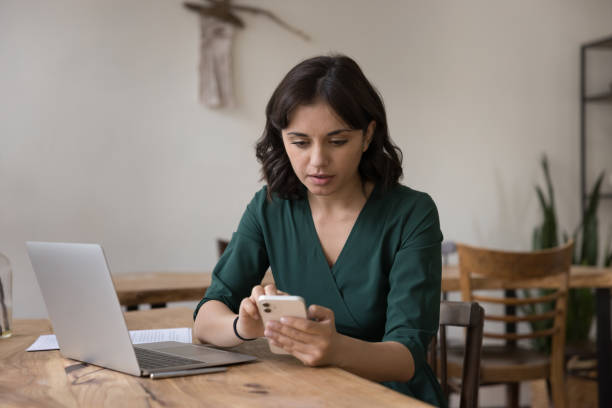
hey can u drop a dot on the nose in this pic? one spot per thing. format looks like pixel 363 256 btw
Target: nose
pixel 319 156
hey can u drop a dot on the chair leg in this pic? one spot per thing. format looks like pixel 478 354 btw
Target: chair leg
pixel 539 394
pixel 512 395
pixel 557 384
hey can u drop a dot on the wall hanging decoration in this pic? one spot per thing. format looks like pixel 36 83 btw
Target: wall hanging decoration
pixel 218 22
pixel 6 297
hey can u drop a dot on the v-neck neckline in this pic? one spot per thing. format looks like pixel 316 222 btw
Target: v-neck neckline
pixel 346 245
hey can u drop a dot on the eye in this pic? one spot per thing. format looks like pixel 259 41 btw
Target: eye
pixel 299 143
pixel 338 142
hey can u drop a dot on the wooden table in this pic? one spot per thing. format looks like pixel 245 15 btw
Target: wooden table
pixel 580 277
pixel 44 378
pixel 154 288
pixel 138 288
pixel 161 287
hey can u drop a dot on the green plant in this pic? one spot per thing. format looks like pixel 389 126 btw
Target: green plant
pixel 544 236
pixel 581 304
pixel 588 229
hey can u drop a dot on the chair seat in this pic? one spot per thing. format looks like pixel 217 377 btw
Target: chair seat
pixel 500 364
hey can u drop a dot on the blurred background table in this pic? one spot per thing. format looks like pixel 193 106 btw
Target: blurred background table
pixel 159 288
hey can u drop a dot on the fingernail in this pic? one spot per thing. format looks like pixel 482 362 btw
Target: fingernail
pixel 284 320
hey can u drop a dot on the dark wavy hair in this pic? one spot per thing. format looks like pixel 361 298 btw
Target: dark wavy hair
pixel 339 81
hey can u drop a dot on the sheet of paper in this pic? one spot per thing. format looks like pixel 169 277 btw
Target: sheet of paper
pixel 44 342
pixel 182 334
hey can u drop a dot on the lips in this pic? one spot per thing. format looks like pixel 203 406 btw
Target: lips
pixel 321 179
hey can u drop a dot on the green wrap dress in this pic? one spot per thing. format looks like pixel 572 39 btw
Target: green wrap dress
pixel 384 286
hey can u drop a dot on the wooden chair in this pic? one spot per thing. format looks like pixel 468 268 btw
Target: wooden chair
pixel 221 245
pixel 471 316
pixel 512 363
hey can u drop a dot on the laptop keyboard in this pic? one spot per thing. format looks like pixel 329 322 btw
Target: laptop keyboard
pixel 148 359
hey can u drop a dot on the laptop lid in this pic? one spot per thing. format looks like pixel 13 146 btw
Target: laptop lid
pixel 89 324
pixel 82 304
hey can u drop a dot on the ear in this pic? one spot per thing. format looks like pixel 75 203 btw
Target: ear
pixel 369 133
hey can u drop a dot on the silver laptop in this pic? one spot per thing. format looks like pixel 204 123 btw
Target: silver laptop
pixel 88 322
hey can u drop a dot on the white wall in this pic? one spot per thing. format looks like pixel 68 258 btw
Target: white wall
pixel 102 138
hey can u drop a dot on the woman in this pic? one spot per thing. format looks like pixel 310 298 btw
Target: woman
pixel 336 228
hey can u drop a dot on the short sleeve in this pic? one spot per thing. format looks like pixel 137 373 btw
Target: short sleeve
pixel 242 265
pixel 413 302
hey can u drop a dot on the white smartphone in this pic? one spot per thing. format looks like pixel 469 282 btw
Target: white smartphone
pixel 274 307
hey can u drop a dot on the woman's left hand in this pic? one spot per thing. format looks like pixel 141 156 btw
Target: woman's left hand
pixel 314 341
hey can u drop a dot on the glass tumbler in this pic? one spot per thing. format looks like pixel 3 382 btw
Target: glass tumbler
pixel 6 297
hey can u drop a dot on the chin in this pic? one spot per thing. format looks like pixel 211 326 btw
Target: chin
pixel 320 190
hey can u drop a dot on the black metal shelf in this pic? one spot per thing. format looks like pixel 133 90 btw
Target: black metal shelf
pixel 601 43
pixel 604 97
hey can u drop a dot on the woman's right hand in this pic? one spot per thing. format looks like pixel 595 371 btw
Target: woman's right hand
pixel 249 324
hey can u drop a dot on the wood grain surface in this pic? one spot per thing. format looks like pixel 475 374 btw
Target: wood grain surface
pixel 45 379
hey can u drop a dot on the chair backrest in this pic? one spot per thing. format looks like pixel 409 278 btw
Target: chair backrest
pixel 522 270
pixel 471 316
pixel 221 245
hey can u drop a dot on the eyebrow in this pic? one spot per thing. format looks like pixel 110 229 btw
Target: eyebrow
pixel 332 133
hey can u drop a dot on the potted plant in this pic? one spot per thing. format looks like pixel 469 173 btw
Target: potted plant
pixel 581 301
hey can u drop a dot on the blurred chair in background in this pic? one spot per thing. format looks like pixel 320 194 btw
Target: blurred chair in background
pixel 512 363
pixel 221 245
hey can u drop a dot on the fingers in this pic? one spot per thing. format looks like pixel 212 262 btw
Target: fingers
pixel 256 292
pixel 273 329
pixel 307 352
pixel 249 307
pixel 320 313
pixel 308 359
pixel 270 290
pixel 316 314
pixel 287 343
pixel 298 323
pixel 312 342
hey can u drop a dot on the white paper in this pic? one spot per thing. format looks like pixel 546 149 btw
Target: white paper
pixel 44 342
pixel 182 335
